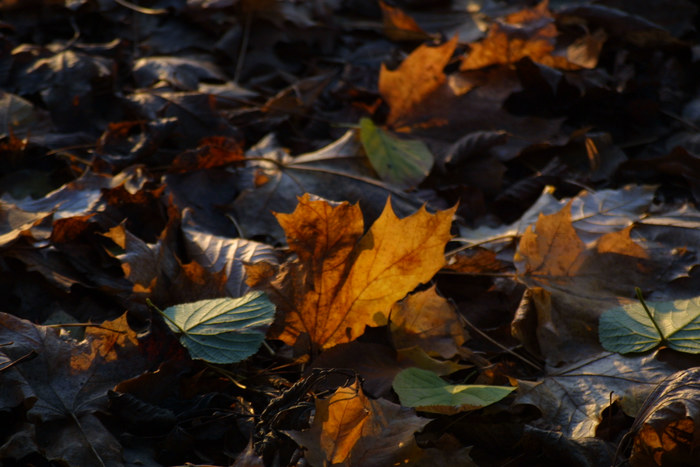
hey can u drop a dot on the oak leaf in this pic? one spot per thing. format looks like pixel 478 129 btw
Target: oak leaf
pixel 341 280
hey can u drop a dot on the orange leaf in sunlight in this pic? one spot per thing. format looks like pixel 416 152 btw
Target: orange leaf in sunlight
pixel 419 75
pixel 527 33
pixel 553 256
pixel 350 429
pixel 342 281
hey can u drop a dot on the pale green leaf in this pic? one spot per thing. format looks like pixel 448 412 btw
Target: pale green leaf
pixel 629 328
pixel 425 391
pixel 222 330
pixel 401 162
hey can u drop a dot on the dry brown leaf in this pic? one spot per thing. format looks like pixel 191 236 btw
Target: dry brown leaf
pixel 350 429
pixel 429 321
pixel 418 76
pixel 340 282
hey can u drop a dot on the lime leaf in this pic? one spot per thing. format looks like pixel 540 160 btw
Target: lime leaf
pixel 629 328
pixel 401 162
pixel 222 330
pixel 424 390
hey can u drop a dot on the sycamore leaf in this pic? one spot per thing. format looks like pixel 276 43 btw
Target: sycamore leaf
pixel 342 280
pixel 222 330
pixel 401 162
pixel 420 74
pixel 426 391
pixel 629 328
pixel 351 429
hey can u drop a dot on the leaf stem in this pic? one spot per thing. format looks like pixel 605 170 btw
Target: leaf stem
pixel 166 317
pixel 638 291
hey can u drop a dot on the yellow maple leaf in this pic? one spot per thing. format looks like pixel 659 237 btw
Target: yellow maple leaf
pixel 342 281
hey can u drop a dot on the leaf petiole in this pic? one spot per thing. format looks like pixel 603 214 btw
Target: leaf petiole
pixel 638 291
pixel 162 313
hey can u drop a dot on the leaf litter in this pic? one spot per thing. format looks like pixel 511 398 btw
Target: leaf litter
pixel 428 198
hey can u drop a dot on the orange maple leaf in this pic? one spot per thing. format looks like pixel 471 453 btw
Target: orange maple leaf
pixel 351 429
pixel 418 76
pixel 342 281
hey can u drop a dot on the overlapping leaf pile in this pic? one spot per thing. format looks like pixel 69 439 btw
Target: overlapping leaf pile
pixel 368 233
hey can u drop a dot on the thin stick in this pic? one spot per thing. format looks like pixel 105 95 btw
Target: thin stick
pixel 499 345
pixel 244 47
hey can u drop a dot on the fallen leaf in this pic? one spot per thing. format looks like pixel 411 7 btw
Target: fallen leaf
pixel 350 429
pixel 65 386
pixel 222 330
pixel 573 398
pixel 577 282
pixel 217 253
pixel 429 321
pixel 527 33
pixel 629 328
pixel 401 162
pixel 337 172
pixel 592 214
pixel 343 281
pixel 416 78
pixel 665 432
pixel 213 151
pixel 427 392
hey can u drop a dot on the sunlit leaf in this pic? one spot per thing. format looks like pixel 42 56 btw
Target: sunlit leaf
pixel 629 328
pixel 222 330
pixel 342 280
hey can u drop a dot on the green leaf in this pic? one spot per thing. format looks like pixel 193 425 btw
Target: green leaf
pixel 403 163
pixel 629 328
pixel 222 330
pixel 426 391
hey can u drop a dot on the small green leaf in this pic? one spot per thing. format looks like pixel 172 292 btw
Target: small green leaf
pixel 222 330
pixel 401 162
pixel 426 391
pixel 629 328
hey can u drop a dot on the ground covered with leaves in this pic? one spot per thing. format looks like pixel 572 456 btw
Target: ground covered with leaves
pixel 349 232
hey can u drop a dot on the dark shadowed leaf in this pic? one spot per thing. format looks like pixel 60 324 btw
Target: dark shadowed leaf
pixel 65 385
